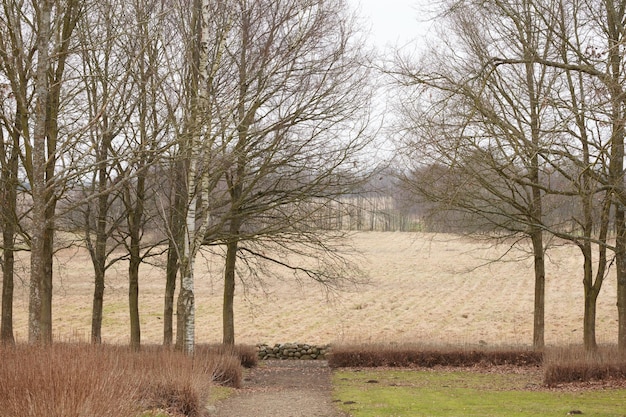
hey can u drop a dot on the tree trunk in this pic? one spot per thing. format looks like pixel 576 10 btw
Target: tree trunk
pixel 98 259
pixel 171 273
pixel 38 174
pixel 589 315
pixel 8 192
pixel 97 307
pixel 97 253
pixel 185 329
pixel 620 254
pixel 135 220
pixel 540 290
pixel 175 242
pixel 46 283
pixel 133 300
pixel 589 321
pixel 615 17
pixel 8 235
pixel 228 312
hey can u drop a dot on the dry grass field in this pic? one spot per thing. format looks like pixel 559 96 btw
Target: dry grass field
pixel 431 288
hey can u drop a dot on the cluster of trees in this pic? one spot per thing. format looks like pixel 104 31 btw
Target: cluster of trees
pixel 149 127
pixel 517 111
pixel 146 128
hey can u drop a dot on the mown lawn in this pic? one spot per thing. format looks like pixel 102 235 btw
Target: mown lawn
pixel 464 393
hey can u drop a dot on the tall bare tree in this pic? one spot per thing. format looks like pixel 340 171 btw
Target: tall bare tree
pixel 53 25
pixel 480 126
pixel 110 97
pixel 575 161
pixel 209 26
pixel 291 126
pixel 9 154
pixel 590 36
pixel 16 60
pixel 612 24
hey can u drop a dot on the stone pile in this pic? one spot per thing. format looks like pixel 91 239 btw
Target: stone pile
pixel 292 351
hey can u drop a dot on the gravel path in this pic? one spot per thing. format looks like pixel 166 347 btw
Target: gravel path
pixel 284 389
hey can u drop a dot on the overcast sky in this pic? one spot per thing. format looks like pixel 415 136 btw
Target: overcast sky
pixel 394 22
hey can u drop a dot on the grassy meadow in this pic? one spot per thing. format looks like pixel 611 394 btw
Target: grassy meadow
pixel 453 393
pixel 433 288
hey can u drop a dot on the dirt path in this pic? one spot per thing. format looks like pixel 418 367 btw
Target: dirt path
pixel 283 388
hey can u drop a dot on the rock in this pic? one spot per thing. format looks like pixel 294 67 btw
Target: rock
pixel 291 351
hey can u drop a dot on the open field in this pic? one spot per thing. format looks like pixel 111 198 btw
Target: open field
pixel 423 288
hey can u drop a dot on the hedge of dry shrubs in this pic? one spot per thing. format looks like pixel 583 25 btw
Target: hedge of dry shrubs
pixel 77 380
pixel 560 365
pixel 411 356
pixel 573 364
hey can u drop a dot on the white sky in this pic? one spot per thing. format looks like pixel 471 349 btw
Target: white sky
pixel 394 23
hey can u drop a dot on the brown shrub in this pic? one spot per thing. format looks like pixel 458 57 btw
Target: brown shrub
pixel 173 397
pixel 429 356
pixel 74 380
pixel 64 381
pixel 247 354
pixel 574 364
pixel 225 369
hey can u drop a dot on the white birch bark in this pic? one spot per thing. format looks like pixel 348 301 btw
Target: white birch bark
pixel 196 149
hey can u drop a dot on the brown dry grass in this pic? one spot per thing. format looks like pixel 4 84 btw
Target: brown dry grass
pixel 574 364
pixel 424 288
pixel 74 380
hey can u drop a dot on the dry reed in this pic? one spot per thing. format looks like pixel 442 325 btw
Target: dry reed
pixel 80 380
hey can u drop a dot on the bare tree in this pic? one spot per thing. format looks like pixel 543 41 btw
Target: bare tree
pixel 209 26
pixel 9 152
pixel 575 160
pixel 17 52
pixel 584 164
pixel 590 37
pixel 15 63
pixel 476 133
pixel 53 23
pixel 109 93
pixel 612 24
pixel 291 129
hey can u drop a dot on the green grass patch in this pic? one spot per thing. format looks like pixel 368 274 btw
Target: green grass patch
pixel 218 393
pixel 379 393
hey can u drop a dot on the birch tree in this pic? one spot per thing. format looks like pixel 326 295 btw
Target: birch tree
pixel 210 24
